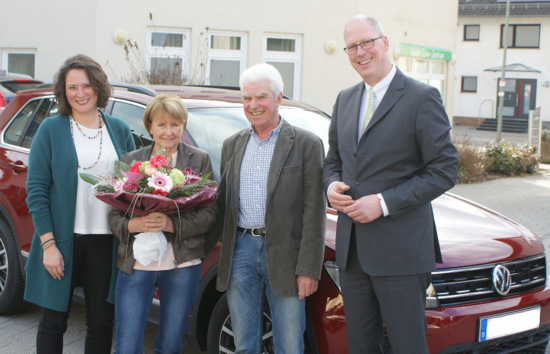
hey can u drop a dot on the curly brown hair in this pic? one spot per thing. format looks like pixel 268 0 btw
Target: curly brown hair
pixel 96 75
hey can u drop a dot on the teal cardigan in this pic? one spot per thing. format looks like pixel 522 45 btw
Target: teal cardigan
pixel 51 197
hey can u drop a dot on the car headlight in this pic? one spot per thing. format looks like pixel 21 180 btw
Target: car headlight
pixel 432 302
pixel 332 270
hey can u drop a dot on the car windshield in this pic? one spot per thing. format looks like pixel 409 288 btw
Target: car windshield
pixel 209 127
pixel 18 85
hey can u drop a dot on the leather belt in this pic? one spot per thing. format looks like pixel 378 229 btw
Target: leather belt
pixel 257 231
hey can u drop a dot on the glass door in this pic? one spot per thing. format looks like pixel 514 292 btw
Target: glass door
pixel 519 97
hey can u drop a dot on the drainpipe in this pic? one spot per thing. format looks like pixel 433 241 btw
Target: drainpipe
pixel 502 83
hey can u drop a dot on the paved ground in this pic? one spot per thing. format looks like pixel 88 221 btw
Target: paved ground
pixel 18 333
pixel 482 138
pixel 524 199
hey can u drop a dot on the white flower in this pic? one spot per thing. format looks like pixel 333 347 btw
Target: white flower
pixel 119 184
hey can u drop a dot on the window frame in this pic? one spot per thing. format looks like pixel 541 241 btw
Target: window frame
pixel 270 56
pixel 170 52
pixel 467 39
pixel 6 52
pixel 462 81
pixel 513 30
pixel 226 54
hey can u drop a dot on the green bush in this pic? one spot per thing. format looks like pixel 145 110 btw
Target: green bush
pixel 545 135
pixel 511 159
pixel 471 161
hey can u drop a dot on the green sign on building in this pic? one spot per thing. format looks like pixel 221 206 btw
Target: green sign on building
pixel 416 51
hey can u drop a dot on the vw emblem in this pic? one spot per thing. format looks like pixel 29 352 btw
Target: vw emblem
pixel 502 280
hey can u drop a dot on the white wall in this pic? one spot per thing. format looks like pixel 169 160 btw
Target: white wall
pixel 58 29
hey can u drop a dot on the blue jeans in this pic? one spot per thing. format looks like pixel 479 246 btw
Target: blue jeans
pixel 133 296
pixel 248 287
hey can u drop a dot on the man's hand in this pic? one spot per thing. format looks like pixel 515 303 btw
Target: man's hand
pixel 336 197
pixel 306 286
pixel 365 209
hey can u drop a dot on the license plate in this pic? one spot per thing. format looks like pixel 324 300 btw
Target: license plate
pixel 505 324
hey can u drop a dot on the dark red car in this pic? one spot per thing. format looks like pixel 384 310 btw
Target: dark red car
pixel 490 295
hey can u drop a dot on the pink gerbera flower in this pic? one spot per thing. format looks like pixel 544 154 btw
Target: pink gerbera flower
pixel 160 181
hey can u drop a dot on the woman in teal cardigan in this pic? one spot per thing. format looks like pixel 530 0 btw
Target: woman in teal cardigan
pixel 72 243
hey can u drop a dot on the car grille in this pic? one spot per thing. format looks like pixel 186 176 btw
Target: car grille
pixel 470 284
pixel 531 342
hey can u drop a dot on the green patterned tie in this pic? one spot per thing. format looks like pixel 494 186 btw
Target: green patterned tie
pixel 369 112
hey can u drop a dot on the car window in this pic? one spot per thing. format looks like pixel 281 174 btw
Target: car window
pixel 133 115
pixel 24 126
pixel 47 108
pixel 17 127
pixel 315 122
pixel 17 85
pixel 208 128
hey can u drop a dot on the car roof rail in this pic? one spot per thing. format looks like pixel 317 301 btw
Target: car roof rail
pixel 233 88
pixel 128 87
pixel 134 88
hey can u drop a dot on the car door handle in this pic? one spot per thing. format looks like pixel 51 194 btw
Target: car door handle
pixel 18 166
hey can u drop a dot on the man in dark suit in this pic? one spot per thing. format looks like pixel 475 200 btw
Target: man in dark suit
pixel 390 155
pixel 272 206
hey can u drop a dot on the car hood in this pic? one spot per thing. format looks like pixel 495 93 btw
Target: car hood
pixel 470 234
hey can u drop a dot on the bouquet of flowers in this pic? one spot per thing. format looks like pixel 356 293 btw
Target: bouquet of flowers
pixel 151 186
pixel 148 186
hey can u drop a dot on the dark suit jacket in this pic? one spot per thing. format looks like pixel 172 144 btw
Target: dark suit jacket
pixel 407 155
pixel 295 216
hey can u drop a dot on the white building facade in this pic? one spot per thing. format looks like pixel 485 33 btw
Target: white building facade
pixel 479 59
pixel 212 42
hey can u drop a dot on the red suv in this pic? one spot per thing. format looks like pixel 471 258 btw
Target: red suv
pixel 489 295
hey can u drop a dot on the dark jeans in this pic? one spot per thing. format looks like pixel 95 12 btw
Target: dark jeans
pixel 92 263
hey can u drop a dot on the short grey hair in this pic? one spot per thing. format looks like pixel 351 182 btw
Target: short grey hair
pixel 372 22
pixel 261 72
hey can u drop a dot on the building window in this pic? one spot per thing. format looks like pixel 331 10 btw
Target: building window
pixel 469 84
pixel 471 32
pixel 20 61
pixel 431 72
pixel 226 58
pixel 521 36
pixel 284 53
pixel 167 56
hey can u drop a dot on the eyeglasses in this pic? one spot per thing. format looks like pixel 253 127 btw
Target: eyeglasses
pixel 368 44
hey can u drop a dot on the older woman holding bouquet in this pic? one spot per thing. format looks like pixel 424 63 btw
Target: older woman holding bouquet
pixel 72 241
pixel 177 272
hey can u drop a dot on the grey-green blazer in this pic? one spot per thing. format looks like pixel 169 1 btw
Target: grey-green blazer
pixel 295 208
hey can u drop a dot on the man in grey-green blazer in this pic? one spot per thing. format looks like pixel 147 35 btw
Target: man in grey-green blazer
pixel 272 207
